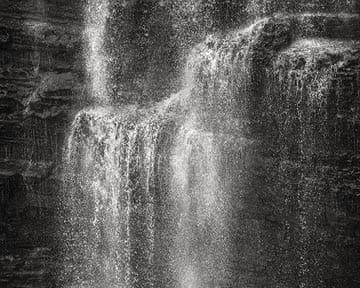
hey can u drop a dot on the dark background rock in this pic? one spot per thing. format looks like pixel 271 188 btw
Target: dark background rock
pixel 41 76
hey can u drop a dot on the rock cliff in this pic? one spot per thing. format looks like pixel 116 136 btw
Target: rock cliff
pixel 41 75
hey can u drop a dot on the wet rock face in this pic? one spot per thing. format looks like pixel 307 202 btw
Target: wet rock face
pixel 41 71
pixel 27 268
pixel 312 101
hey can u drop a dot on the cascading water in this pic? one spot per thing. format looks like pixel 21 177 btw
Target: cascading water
pixel 114 158
pixel 194 191
pixel 96 17
pixel 200 253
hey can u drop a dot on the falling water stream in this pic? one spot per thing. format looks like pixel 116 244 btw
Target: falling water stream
pixel 175 195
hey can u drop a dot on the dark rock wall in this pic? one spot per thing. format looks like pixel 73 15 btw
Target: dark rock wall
pixel 315 109
pixel 41 75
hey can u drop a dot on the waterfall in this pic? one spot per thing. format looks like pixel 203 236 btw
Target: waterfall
pixel 200 251
pixel 211 186
pixel 112 157
pixel 96 15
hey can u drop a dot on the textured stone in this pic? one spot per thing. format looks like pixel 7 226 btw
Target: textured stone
pixel 41 76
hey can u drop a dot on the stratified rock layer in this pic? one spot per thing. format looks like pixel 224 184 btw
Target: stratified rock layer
pixel 41 76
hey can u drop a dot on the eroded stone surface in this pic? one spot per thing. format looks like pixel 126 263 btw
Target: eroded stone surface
pixel 41 74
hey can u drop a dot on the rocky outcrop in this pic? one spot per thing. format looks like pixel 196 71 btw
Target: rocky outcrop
pixel 27 268
pixel 41 76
